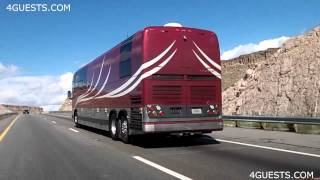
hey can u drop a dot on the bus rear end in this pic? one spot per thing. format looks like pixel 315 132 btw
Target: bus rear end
pixel 182 91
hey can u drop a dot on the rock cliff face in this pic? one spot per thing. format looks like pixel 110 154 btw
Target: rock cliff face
pixel 234 69
pixel 66 106
pixel 3 110
pixel 285 83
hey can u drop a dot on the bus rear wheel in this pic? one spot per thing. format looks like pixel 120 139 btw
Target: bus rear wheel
pixel 75 120
pixel 124 130
pixel 113 127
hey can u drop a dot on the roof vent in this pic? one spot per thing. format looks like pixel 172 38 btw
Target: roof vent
pixel 173 24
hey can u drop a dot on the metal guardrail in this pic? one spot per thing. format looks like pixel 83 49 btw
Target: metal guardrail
pixel 261 119
pixel 2 116
pixel 271 119
pixel 61 114
pixel 53 112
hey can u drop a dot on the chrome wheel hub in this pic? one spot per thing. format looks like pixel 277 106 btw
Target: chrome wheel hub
pixel 76 119
pixel 124 127
pixel 113 127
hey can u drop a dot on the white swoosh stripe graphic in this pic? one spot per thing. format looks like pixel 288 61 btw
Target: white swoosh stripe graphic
pixel 145 75
pixel 127 83
pixel 86 93
pixel 101 89
pixel 142 67
pixel 105 82
pixel 91 83
pixel 123 89
pixel 88 89
pixel 95 86
pixel 80 98
pixel 207 66
pixel 208 58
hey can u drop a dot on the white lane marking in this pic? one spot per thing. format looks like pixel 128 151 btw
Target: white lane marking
pixel 270 148
pixel 161 168
pixel 73 130
pixel 54 122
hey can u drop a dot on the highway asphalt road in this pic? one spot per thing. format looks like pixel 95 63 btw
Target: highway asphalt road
pixel 46 147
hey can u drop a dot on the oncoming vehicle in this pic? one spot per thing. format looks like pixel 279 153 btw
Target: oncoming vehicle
pixel 26 111
pixel 159 80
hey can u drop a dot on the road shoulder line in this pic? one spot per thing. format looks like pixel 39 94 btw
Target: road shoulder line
pixel 3 134
pixel 269 148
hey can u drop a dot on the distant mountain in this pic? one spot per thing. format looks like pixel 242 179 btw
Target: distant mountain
pixel 4 110
pixel 66 106
pixel 277 82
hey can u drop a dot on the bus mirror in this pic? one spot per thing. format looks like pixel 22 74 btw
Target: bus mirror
pixel 69 95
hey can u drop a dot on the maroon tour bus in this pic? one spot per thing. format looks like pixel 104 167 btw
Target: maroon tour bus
pixel 159 80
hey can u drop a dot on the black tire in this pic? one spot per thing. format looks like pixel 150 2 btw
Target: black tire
pixel 206 132
pixel 113 127
pixel 75 120
pixel 124 129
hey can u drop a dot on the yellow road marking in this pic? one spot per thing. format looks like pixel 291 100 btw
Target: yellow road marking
pixel 3 134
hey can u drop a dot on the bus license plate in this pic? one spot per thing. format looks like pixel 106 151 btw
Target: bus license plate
pixel 196 111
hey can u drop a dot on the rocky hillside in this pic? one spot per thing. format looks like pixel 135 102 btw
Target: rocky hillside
pixel 20 109
pixel 286 83
pixel 234 69
pixel 66 106
pixel 3 110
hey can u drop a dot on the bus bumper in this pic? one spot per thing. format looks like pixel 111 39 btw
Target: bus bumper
pixel 183 125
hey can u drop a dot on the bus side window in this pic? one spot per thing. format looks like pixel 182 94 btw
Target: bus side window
pixel 80 78
pixel 125 58
pixel 76 80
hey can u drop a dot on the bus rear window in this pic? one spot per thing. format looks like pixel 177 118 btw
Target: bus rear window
pixel 167 77
pixel 200 77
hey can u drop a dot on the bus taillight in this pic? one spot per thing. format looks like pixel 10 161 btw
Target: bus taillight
pixel 213 109
pixel 161 113
pixel 154 111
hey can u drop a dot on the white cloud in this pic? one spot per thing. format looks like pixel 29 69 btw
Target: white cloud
pixel 7 70
pixel 251 47
pixel 65 81
pixel 48 92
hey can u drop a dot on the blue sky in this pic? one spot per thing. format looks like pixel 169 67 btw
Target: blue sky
pixel 39 51
pixel 51 43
